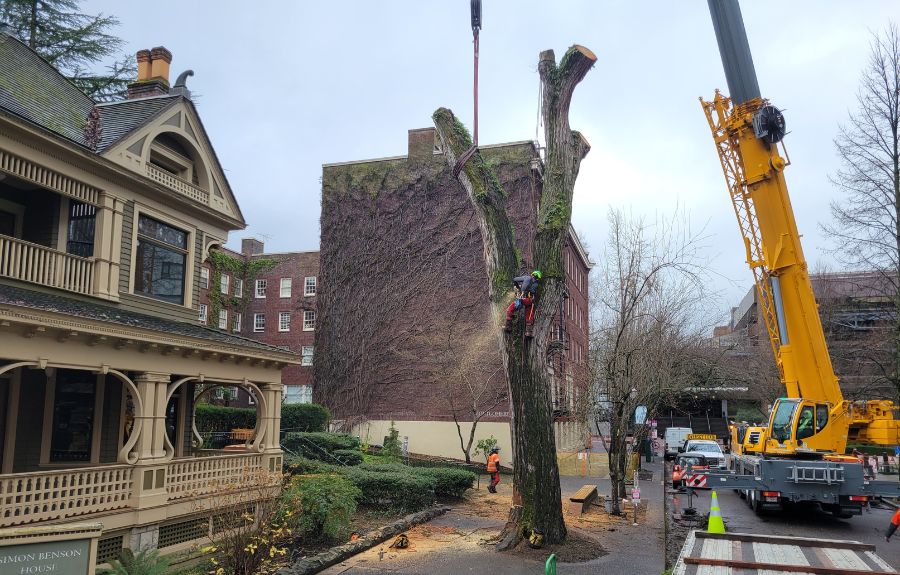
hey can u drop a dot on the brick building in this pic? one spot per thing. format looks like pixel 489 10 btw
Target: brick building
pixel 404 308
pixel 267 297
pixel 858 318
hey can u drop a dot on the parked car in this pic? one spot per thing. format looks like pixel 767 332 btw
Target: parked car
pixel 710 449
pixel 675 437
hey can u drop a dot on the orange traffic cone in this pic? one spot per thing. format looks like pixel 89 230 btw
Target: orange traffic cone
pixel 715 525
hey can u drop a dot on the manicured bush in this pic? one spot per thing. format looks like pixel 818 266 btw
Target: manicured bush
pixel 320 506
pixel 449 482
pixel 217 418
pixel 318 445
pixel 298 465
pixel 304 417
pixel 348 456
pixel 398 490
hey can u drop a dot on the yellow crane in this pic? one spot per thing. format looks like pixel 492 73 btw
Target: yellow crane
pixel 813 419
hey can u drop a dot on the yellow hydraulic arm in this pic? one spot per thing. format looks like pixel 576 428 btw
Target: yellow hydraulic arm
pixel 813 418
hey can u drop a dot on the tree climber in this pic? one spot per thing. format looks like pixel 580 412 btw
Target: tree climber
pixel 526 290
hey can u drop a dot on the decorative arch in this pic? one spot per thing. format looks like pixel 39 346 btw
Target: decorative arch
pixel 189 144
pixel 259 432
pixel 125 455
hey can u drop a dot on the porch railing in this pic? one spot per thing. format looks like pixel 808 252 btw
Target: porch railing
pixel 177 184
pixel 44 496
pixel 38 264
pixel 194 477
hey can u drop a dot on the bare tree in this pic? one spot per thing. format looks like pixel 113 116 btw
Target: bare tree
pixel 537 502
pixel 865 223
pixel 646 346
pixel 474 387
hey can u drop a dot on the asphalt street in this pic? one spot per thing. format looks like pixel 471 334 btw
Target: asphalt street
pixel 804 522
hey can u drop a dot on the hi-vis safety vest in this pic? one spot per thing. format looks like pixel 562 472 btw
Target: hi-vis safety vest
pixel 493 463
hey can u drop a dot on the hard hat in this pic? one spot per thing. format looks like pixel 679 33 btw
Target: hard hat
pixel 537 274
pixel 495 449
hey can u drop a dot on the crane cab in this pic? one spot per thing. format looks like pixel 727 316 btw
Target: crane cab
pixel 798 426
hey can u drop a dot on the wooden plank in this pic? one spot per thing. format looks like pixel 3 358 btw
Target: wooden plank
pixel 734 563
pixel 775 540
pixel 587 492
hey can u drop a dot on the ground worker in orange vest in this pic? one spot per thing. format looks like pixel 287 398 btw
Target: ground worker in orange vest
pixel 493 467
pixel 895 522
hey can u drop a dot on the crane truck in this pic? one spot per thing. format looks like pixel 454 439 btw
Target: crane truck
pixel 799 455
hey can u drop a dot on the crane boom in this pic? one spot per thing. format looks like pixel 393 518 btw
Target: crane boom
pixel 814 417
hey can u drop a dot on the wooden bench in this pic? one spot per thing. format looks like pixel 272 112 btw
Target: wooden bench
pixel 581 500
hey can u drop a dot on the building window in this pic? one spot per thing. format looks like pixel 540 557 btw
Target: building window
pixel 285 287
pixel 236 323
pixel 238 287
pixel 225 282
pixel 309 320
pixel 261 288
pixel 307 357
pixel 73 416
pixel 159 269
pixel 203 311
pixel 204 277
pixel 309 286
pixel 223 319
pixel 284 321
pixel 259 322
pixel 297 394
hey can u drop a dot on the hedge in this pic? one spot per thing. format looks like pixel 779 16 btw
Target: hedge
pixel 348 456
pixel 449 482
pixel 318 445
pixel 215 418
pixel 294 417
pixel 297 465
pixel 397 490
pixel 304 417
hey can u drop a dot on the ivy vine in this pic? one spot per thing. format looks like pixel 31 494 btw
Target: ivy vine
pixel 246 270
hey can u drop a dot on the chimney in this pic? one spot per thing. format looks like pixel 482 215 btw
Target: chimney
pixel 153 74
pixel 251 247
pixel 421 144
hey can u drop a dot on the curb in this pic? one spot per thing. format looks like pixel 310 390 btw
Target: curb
pixel 316 563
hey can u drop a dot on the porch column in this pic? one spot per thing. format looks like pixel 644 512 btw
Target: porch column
pixel 107 240
pixel 149 487
pixel 271 422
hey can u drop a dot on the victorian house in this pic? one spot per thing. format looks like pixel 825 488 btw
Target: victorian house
pixel 107 211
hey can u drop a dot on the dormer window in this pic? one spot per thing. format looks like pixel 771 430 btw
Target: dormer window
pixel 167 153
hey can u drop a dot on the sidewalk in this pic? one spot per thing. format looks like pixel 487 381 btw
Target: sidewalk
pixel 458 542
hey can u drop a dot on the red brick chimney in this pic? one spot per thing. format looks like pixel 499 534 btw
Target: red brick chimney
pixel 153 73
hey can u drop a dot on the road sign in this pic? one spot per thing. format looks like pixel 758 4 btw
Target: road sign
pixel 636 495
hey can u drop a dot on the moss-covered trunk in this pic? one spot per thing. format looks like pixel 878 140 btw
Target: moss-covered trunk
pixel 536 493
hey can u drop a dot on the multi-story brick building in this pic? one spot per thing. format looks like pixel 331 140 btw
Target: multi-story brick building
pixel 106 213
pixel 267 297
pixel 404 308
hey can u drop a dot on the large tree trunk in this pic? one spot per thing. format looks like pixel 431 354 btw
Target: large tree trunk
pixel 536 494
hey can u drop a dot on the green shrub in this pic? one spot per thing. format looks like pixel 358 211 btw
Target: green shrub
pixel 318 445
pixel 216 418
pixel 395 489
pixel 298 465
pixel 146 562
pixel 392 449
pixel 449 482
pixel 320 507
pixel 304 417
pixel 348 456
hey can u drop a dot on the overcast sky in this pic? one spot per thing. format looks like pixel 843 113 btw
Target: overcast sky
pixel 283 87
